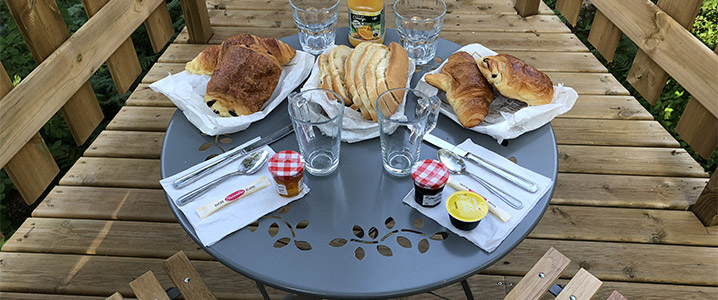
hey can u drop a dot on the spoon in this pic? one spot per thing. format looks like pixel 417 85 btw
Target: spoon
pixel 456 165
pixel 249 165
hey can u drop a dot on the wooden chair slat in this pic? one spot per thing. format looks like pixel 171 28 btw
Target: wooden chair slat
pixel 582 286
pixel 570 9
pixel 124 65
pixel 148 287
pixel 616 296
pixel 197 19
pixel 604 35
pixel 527 8
pixel 646 75
pixel 186 278
pixel 159 27
pixel 540 278
pixel 706 207
pixel 115 296
pixel 699 128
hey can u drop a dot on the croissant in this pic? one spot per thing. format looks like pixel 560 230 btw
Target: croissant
pixel 243 81
pixel 468 92
pixel 206 61
pixel 515 79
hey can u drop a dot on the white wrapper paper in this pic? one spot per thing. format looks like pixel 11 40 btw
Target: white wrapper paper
pixel 507 118
pixel 354 127
pixel 186 90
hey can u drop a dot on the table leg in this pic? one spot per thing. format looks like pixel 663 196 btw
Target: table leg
pixel 263 291
pixel 467 290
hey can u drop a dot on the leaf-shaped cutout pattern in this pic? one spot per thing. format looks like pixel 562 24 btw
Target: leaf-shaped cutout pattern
pixel 338 242
pixel 253 227
pixel 273 229
pixel 423 246
pixel 284 209
pixel 389 222
pixel 404 242
pixel 438 60
pixel 302 224
pixel 440 236
pixel 373 233
pixel 514 160
pixel 211 156
pixel 205 146
pixel 359 253
pixel 358 231
pixel 281 242
pixel 384 250
pixel 225 140
pixel 303 245
pixel 418 223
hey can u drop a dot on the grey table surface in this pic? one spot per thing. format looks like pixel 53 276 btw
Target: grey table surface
pixel 354 204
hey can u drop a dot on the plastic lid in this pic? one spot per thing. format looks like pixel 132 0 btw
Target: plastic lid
pixel 286 164
pixel 467 206
pixel 429 174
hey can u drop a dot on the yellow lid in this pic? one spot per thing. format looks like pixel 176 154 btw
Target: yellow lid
pixel 467 206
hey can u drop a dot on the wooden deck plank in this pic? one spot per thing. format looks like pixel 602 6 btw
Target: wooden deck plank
pixel 612 132
pixel 130 144
pixel 458 22
pixel 618 261
pixel 608 107
pixel 628 161
pixel 114 172
pixel 627 191
pixel 29 296
pixel 82 202
pixel 144 96
pixel 142 118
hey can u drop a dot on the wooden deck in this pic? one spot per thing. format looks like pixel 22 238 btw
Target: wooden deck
pixel 619 209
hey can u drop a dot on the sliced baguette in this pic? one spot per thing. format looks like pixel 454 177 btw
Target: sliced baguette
pixel 390 75
pixel 371 80
pixel 349 65
pixel 325 79
pixel 360 81
pixel 337 58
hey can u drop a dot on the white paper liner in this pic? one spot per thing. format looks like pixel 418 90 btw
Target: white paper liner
pixel 186 91
pixel 354 127
pixel 507 118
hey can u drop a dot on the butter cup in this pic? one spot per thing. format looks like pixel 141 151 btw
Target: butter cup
pixel 466 209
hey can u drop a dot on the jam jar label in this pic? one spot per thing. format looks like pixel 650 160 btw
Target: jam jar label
pixel 282 189
pixel 431 200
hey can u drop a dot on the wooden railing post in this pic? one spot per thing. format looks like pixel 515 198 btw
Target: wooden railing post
pixel 570 9
pixel 706 208
pixel 44 31
pixel 527 8
pixel 197 19
pixel 32 169
pixel 604 35
pixel 159 27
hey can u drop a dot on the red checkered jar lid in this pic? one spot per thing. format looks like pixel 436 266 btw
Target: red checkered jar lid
pixel 429 174
pixel 286 164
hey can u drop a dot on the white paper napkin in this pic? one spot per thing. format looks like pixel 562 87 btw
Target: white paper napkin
pixel 491 231
pixel 236 215
pixel 507 118
pixel 186 90
pixel 354 127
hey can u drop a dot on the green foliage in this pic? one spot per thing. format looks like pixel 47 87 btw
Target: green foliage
pixel 19 62
pixel 674 98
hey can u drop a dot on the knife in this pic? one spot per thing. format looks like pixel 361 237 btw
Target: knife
pixel 235 154
pixel 512 177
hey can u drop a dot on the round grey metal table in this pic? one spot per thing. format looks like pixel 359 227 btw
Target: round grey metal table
pixel 356 212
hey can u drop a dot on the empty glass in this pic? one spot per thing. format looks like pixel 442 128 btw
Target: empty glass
pixel 401 134
pixel 316 21
pixel 419 24
pixel 317 118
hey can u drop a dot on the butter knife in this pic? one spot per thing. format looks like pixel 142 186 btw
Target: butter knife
pixel 512 177
pixel 235 154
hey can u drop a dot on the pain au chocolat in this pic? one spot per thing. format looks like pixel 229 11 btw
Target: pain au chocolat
pixel 515 79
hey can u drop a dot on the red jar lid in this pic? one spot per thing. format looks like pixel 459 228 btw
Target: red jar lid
pixel 286 164
pixel 430 174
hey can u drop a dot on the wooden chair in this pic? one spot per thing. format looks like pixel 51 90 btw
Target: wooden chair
pixel 542 277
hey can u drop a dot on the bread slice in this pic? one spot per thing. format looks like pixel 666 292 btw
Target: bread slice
pixel 349 65
pixel 360 81
pixel 337 58
pixel 392 73
pixel 325 79
pixel 371 81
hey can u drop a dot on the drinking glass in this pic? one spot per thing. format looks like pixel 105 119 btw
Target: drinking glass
pixel 401 134
pixel 317 118
pixel 316 21
pixel 419 24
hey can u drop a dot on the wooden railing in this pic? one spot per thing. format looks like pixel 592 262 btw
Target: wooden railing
pixel 666 48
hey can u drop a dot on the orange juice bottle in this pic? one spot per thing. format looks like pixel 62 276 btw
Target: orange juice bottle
pixel 366 21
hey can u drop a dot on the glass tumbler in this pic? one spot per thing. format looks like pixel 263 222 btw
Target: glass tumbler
pixel 419 24
pixel 317 118
pixel 401 134
pixel 316 21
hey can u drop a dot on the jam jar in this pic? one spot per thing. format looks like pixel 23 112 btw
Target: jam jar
pixel 430 177
pixel 287 168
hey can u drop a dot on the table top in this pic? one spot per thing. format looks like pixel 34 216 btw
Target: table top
pixel 357 212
